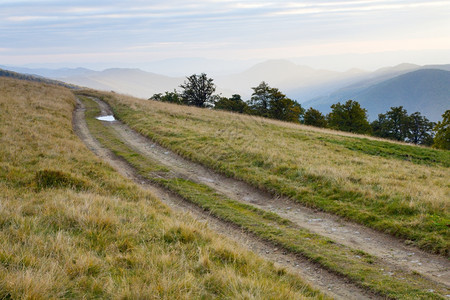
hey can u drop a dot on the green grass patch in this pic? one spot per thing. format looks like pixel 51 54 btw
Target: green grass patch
pixel 414 154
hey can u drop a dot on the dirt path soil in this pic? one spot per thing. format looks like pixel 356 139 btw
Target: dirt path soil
pixel 390 249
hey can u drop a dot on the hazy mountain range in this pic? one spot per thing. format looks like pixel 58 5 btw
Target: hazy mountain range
pixel 418 88
pixel 423 90
pixel 36 78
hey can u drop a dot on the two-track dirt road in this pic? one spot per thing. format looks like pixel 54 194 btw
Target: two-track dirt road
pixel 393 251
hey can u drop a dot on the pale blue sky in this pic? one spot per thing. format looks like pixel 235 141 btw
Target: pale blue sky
pixel 110 32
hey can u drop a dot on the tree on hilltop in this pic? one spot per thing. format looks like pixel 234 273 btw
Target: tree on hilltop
pixel 442 129
pixel 272 103
pixel 198 90
pixel 349 116
pixel 420 130
pixel 283 108
pixel 314 117
pixel 171 97
pixel 259 102
pixel 394 124
pixel 235 103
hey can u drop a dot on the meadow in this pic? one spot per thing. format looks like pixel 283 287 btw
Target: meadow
pixel 396 188
pixel 357 266
pixel 72 227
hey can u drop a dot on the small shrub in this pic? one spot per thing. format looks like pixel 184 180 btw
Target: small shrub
pixel 57 179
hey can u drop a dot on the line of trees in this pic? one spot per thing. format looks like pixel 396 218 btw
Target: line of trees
pixel 198 90
pixel 396 124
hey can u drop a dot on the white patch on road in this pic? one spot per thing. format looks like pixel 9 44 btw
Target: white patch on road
pixel 109 118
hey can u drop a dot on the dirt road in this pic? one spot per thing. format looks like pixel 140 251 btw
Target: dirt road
pixel 392 250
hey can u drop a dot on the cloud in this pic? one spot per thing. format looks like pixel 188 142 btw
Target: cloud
pixel 219 27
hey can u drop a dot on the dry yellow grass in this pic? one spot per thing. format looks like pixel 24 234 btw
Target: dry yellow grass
pixel 71 227
pixel 411 182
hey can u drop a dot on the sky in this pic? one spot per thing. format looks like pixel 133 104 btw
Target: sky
pixel 330 34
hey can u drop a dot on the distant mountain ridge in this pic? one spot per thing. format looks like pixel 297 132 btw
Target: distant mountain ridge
pixel 129 81
pixel 15 75
pixel 423 90
pixel 51 73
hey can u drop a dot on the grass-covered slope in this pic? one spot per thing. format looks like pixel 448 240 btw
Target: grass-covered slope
pixel 355 265
pixel 396 188
pixel 71 227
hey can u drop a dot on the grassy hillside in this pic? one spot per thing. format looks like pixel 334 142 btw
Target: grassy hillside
pixel 363 269
pixel 71 227
pixel 399 189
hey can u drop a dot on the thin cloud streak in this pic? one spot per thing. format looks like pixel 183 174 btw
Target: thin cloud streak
pixel 318 8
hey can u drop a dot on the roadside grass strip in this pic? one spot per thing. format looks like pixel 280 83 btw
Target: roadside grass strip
pixel 363 269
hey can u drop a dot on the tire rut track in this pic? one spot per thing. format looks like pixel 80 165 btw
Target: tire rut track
pixel 390 249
